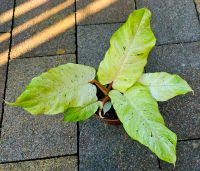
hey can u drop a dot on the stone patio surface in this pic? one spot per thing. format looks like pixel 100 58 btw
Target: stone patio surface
pixel 36 35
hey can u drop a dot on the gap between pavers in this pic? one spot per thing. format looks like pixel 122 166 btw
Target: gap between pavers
pixel 4 51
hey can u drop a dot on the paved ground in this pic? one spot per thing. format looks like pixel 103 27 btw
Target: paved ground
pixel 36 35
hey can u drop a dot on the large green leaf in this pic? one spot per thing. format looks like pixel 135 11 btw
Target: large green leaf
pixel 130 45
pixel 75 114
pixel 58 89
pixel 141 118
pixel 164 86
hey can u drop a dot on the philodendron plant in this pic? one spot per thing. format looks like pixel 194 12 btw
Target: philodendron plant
pixel 72 88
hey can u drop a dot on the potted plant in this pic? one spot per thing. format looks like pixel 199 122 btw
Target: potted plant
pixel 125 88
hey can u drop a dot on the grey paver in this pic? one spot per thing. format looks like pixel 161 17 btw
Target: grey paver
pixel 51 36
pixel 54 164
pixel 25 136
pixel 93 42
pixel 173 21
pixel 4 48
pixel 110 11
pixel 181 113
pixel 188 157
pixel 6 14
pixel 106 147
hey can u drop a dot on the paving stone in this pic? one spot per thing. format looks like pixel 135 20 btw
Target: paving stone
pixel 6 14
pixel 4 49
pixel 28 137
pixel 54 164
pixel 188 157
pixel 173 21
pixel 93 42
pixel 180 113
pixel 34 34
pixel 112 11
pixel 107 147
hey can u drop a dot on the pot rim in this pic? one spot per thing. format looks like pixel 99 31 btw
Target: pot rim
pixel 109 121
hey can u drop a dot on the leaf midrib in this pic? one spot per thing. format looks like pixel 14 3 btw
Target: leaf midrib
pixel 126 53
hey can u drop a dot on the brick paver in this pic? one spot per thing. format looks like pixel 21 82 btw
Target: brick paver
pixel 6 14
pixel 173 21
pixel 107 147
pixel 54 164
pixel 25 136
pixel 93 41
pixel 28 36
pixel 111 10
pixel 42 32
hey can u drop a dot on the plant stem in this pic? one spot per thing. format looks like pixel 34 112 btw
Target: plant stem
pixel 109 87
pixel 100 86
pixel 105 91
pixel 105 99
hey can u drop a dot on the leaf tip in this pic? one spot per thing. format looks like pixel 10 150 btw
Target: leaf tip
pixel 192 92
pixel 189 89
pixel 174 162
pixel 143 9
